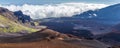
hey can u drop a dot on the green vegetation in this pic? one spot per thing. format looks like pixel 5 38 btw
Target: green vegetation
pixel 7 25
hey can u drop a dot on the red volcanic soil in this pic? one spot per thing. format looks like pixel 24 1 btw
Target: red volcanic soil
pixel 48 39
pixel 34 41
pixel 40 44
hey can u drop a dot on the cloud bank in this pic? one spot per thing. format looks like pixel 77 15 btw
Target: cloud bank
pixel 56 10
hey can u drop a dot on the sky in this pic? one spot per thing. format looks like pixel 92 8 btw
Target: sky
pixel 37 2
pixel 38 9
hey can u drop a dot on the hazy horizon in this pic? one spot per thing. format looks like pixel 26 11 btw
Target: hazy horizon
pixel 54 8
pixel 38 2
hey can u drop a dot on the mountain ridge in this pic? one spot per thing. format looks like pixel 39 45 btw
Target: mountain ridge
pixel 9 22
pixel 107 15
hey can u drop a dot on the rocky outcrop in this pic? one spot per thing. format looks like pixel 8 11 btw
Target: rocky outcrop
pixel 22 17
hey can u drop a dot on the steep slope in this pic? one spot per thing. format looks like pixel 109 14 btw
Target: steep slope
pixel 15 16
pixel 7 25
pixel 8 14
pixel 9 22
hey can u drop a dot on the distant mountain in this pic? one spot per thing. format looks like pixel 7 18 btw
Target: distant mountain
pixel 98 21
pixel 108 15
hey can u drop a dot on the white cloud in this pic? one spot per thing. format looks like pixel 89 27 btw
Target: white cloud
pixel 57 10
